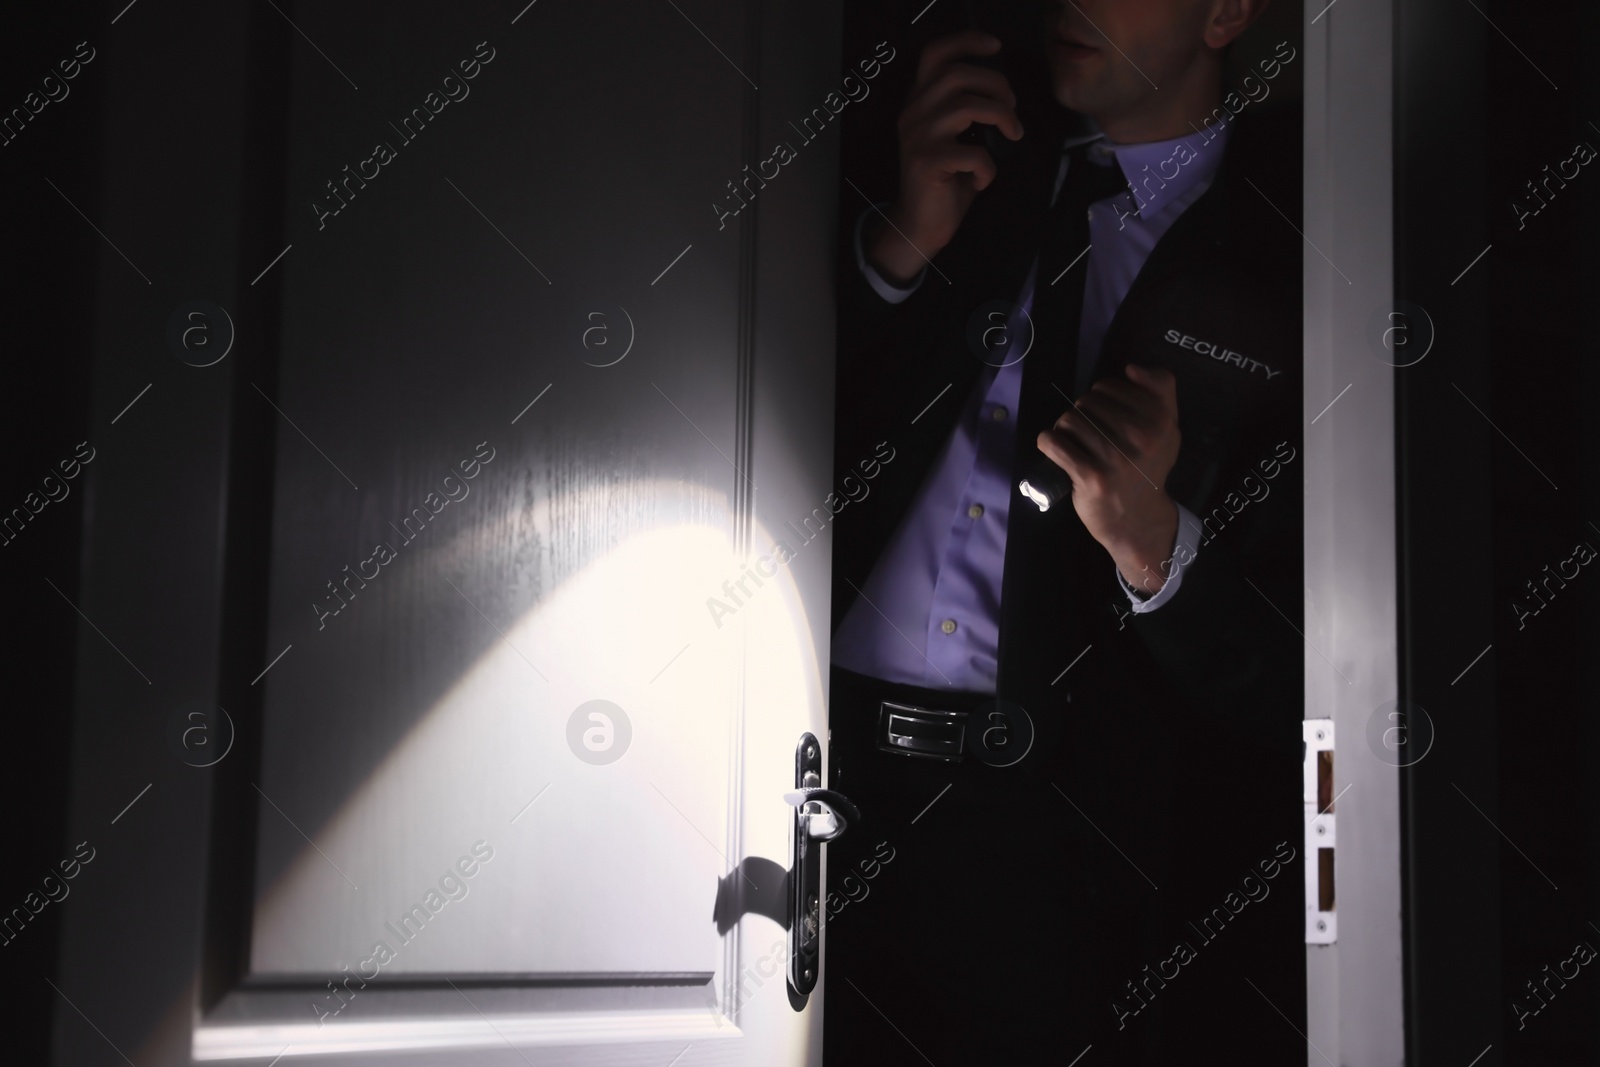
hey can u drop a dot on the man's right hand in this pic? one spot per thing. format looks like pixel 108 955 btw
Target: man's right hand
pixel 940 176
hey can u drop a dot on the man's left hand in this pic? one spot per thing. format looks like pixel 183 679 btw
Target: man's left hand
pixel 1118 443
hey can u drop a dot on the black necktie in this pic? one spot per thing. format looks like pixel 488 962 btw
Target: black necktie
pixel 1047 581
pixel 1058 294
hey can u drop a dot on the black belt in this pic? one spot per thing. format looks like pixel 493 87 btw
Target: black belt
pixel 921 724
pixel 926 733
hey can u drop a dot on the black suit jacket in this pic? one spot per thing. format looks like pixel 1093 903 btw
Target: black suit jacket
pixel 1209 685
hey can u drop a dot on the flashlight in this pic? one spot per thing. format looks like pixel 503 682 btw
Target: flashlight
pixel 1046 484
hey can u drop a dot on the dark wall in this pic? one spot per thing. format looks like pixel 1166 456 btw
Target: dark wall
pixel 1497 482
pixel 47 275
pixel 1543 378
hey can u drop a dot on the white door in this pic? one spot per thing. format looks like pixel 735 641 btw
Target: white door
pixel 510 784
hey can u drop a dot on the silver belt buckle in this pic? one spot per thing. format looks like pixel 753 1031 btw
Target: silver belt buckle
pixel 909 731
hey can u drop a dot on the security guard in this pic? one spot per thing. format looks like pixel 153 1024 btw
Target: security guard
pixel 1072 716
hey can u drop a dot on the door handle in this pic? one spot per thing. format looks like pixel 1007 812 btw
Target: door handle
pixel 825 812
pixel 820 815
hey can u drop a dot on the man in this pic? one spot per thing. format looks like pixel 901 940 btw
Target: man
pixel 1076 729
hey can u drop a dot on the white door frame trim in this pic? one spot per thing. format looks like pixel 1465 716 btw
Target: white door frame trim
pixel 1355 992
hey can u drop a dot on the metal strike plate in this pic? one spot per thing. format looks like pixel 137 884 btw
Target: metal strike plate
pixel 1321 835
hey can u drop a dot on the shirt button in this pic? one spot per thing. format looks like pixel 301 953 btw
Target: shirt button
pixel 975 511
pixel 948 626
pixel 999 414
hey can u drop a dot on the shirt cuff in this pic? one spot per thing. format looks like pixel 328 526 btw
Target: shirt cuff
pixel 1184 548
pixel 889 292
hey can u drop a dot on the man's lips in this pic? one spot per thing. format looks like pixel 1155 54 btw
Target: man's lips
pixel 1071 47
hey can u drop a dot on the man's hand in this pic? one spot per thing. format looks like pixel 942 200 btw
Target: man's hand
pixel 1118 444
pixel 939 176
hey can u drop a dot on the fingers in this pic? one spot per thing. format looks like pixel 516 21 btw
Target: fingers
pixel 1131 416
pixel 945 49
pixel 1134 414
pixel 1086 436
pixel 956 159
pixel 1068 452
pixel 961 80
pixel 939 173
pixel 1122 432
pixel 963 109
pixel 1136 398
pixel 949 95
pixel 1160 381
pixel 1119 416
pixel 966 77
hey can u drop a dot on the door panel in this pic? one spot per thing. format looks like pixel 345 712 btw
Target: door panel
pixel 493 606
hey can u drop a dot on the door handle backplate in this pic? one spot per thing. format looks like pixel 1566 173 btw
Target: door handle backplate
pixel 820 815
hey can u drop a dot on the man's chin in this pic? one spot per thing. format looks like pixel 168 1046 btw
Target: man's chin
pixel 1073 83
pixel 1075 94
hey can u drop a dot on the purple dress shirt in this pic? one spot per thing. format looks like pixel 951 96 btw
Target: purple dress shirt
pixel 929 614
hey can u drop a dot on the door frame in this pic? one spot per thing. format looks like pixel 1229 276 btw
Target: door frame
pixel 1355 1004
